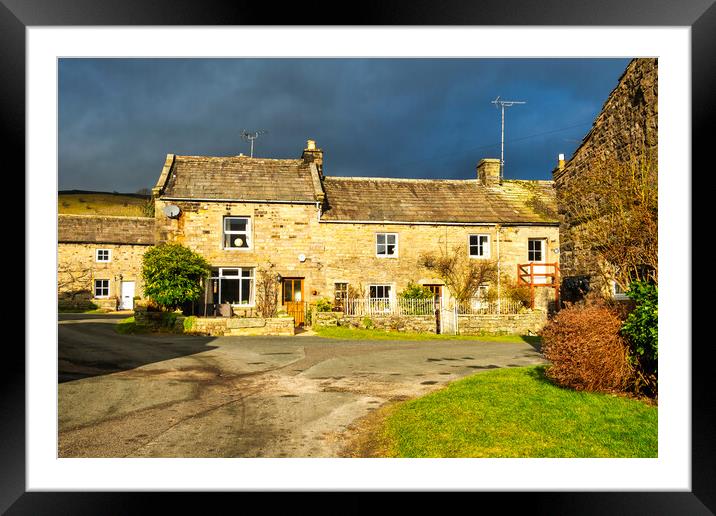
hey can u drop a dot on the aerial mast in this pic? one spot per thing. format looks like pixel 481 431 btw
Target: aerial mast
pixel 503 104
pixel 251 136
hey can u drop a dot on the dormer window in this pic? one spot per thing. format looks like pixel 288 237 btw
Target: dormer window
pixel 237 232
pixel 386 245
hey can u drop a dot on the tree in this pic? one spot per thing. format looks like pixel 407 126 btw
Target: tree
pixel 612 213
pixel 461 275
pixel 172 275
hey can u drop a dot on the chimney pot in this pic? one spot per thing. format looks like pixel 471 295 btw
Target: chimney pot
pixel 312 154
pixel 560 162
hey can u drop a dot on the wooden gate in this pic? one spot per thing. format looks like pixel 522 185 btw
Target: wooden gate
pixel 297 309
pixel 448 320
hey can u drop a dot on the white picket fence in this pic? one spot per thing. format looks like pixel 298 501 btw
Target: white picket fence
pixel 401 306
pixel 388 306
pixel 478 306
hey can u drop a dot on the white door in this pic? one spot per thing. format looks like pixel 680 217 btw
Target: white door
pixel 537 254
pixel 127 302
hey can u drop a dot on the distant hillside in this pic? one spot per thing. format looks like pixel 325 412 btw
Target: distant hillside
pixel 82 202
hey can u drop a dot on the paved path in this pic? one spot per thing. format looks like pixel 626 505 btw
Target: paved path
pixel 185 396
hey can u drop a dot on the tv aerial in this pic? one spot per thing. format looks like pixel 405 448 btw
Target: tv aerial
pixel 503 104
pixel 251 136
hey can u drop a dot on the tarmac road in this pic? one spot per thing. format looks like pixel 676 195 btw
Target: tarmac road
pixel 186 396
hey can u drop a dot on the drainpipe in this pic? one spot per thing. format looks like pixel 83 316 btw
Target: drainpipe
pixel 497 230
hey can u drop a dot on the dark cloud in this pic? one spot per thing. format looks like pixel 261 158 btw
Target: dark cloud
pixel 118 118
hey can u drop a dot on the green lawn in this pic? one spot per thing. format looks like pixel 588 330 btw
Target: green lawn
pixel 342 332
pixel 129 326
pixel 517 413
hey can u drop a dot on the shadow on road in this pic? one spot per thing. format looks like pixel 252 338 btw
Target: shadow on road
pixel 92 347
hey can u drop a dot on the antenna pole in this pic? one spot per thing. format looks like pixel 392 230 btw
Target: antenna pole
pixel 502 104
pixel 250 137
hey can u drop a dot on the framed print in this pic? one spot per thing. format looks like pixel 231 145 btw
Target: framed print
pixel 36 36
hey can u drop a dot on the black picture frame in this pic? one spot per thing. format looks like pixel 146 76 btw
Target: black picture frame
pixel 700 15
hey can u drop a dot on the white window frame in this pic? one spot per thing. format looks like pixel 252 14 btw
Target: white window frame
pixel 619 296
pixel 485 247
pixel 385 244
pixel 247 233
pixel 108 287
pixel 543 249
pixel 109 255
pixel 238 277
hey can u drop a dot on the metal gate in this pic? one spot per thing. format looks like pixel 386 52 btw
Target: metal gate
pixel 448 320
pixel 298 310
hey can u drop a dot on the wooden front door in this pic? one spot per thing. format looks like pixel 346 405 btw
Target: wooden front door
pixel 292 299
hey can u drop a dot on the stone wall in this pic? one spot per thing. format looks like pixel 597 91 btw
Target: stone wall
pixel 518 324
pixel 626 128
pixel 77 269
pixel 240 326
pixel 336 252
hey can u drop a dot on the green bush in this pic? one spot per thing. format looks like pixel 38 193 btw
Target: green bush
pixel 324 305
pixel 416 291
pixel 172 275
pixel 641 329
pixel 367 323
pixel 189 323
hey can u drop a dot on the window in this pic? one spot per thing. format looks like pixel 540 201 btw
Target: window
pixel 101 288
pixel 236 232
pixel 380 298
pixel 386 244
pixel 103 255
pixel 341 294
pixel 535 250
pixel 380 291
pixel 618 292
pixel 292 290
pixel 479 246
pixel 236 285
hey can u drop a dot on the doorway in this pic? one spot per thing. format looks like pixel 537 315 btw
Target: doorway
pixel 127 300
pixel 292 299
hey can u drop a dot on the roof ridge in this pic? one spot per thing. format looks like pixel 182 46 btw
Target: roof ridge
pixel 402 179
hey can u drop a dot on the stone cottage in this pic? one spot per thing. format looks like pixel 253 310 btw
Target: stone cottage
pixel 321 235
pixel 99 260
pixel 625 129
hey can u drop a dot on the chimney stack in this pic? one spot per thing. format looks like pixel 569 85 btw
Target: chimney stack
pixel 560 162
pixel 312 154
pixel 488 171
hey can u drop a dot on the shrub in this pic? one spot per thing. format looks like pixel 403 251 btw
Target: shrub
pixel 586 350
pixel 416 291
pixel 367 323
pixel 324 305
pixel 172 275
pixel 189 323
pixel 641 330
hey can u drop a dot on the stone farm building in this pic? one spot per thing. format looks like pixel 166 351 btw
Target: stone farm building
pixel 625 130
pixel 320 234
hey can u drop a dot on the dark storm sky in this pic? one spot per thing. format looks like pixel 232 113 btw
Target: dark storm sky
pixel 426 118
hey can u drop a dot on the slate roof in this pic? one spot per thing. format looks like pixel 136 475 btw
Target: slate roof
pixel 438 200
pixel 239 178
pixel 105 229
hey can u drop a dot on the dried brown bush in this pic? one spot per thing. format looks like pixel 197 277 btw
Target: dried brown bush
pixel 586 350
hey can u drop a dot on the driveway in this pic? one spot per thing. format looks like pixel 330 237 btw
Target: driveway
pixel 185 396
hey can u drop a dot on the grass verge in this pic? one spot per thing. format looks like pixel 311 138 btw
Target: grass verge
pixel 510 413
pixel 342 332
pixel 130 326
